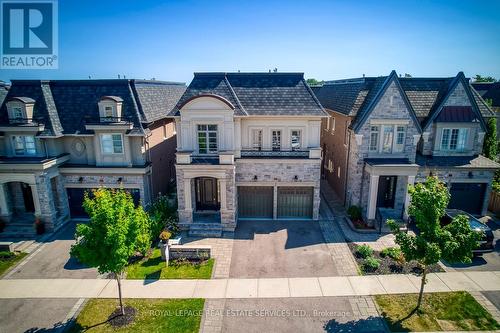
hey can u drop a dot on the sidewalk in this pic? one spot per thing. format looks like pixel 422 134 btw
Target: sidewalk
pixel 250 288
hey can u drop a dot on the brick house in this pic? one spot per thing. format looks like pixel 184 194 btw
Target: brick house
pixel 60 138
pixel 248 146
pixel 387 132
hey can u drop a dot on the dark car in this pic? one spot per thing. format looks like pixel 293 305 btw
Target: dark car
pixel 486 241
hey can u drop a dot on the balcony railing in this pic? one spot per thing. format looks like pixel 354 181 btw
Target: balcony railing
pixel 107 120
pixel 275 153
pixel 26 121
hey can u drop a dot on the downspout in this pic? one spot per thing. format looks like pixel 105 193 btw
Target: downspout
pixel 347 168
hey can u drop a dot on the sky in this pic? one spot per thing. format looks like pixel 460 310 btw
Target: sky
pixel 169 40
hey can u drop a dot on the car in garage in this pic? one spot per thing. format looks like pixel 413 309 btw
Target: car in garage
pixel 487 238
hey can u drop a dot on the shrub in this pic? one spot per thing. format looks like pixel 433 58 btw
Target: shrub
pixel 162 213
pixel 391 252
pixel 6 255
pixel 364 251
pixel 354 213
pixel 371 264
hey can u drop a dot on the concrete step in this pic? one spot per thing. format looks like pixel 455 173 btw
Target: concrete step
pixel 205 230
pixel 206 226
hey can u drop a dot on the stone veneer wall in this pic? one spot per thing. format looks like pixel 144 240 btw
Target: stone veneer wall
pixel 276 171
pixel 399 199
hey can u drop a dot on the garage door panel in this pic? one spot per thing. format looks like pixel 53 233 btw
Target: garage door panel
pixel 295 202
pixel 255 202
pixel 467 196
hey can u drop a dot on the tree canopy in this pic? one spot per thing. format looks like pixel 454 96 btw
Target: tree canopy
pixel 480 78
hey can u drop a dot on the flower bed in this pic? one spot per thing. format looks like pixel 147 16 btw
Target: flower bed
pixel 367 262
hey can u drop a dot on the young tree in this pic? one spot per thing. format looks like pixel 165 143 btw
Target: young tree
pixel 490 141
pixel 480 78
pixel 432 242
pixel 116 231
pixel 313 82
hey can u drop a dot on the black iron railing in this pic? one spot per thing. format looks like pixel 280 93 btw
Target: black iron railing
pixel 275 153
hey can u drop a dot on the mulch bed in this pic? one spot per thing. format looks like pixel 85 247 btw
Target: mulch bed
pixel 391 266
pixel 116 319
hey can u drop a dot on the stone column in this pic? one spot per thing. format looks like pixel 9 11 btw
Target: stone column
pixel 4 206
pixel 36 199
pixel 222 189
pixel 372 197
pixel 188 206
pixel 275 202
pixel 411 181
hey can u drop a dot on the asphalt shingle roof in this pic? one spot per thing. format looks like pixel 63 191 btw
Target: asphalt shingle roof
pixel 65 105
pixel 470 162
pixel 283 94
pixel 489 90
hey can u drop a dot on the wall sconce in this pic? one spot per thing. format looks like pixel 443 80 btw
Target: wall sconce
pixel 101 180
pixel 450 175
pixel 255 177
pixel 296 178
pixel 80 180
pixel 430 174
pixel 120 180
pixel 471 175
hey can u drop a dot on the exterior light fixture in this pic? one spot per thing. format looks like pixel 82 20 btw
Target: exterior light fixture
pixel 296 177
pixel 471 175
pixel 255 177
pixel 120 180
pixel 80 180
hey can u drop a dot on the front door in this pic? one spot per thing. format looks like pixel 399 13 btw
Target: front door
pixel 206 194
pixel 29 205
pixel 386 191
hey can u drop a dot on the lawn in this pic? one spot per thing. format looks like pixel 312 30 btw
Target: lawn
pixel 153 267
pixel 9 259
pixel 452 311
pixel 153 315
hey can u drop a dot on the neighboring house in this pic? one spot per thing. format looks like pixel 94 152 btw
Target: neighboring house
pixel 248 146
pixel 490 92
pixel 4 88
pixel 385 133
pixel 60 138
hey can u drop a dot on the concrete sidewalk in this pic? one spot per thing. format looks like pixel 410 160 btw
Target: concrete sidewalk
pixel 250 288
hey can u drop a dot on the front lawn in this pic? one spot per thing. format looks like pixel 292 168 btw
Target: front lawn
pixel 452 311
pixel 153 267
pixel 9 259
pixel 152 315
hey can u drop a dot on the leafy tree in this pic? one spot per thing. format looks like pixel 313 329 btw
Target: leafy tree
pixel 314 82
pixel 163 216
pixel 116 231
pixel 480 78
pixel 453 242
pixel 490 141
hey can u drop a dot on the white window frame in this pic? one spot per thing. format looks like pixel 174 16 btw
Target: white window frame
pixel 256 145
pixel 280 139
pixel 374 130
pixel 333 125
pixel 291 138
pixel 461 139
pixel 207 132
pixel 25 151
pixel 395 147
pixel 112 144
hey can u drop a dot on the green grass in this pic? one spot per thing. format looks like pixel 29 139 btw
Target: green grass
pixel 452 311
pixel 153 315
pixel 7 263
pixel 154 268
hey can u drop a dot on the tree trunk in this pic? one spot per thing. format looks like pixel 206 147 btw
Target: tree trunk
pixel 118 276
pixel 422 284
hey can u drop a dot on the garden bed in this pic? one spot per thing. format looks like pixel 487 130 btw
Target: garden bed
pixel 153 267
pixel 9 259
pixel 452 311
pixel 388 265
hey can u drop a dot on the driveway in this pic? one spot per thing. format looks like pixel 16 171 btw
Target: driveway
pixel 52 260
pixel 328 314
pixel 280 249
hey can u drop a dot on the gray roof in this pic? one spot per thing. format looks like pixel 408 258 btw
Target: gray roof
pixel 468 162
pixel 64 106
pixel 4 89
pixel 489 90
pixel 354 97
pixel 274 94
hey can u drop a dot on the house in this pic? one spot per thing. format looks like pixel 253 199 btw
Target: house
pixel 490 92
pixel 60 138
pixel 248 147
pixel 385 133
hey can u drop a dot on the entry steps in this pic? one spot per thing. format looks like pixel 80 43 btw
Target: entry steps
pixel 200 229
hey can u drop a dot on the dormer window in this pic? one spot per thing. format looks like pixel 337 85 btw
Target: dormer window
pixel 110 109
pixel 24 145
pixel 20 110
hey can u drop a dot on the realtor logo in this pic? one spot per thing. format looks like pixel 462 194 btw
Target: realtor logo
pixel 29 34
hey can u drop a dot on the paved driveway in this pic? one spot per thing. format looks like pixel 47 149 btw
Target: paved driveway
pixel 280 249
pixel 52 260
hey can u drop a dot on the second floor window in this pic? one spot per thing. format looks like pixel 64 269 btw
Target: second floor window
pixel 387 139
pixel 257 139
pixel 295 139
pixel 24 145
pixel 112 144
pixel 276 143
pixel 17 113
pixel 374 138
pixel 207 139
pixel 454 138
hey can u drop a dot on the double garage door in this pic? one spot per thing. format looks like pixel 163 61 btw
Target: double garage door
pixel 292 202
pixel 76 195
pixel 467 196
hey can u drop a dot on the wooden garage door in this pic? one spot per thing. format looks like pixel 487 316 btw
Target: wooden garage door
pixel 255 202
pixel 467 196
pixel 295 202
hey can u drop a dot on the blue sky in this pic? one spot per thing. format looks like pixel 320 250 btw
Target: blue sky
pixel 169 40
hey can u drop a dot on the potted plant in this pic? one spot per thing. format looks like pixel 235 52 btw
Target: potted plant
pixel 165 236
pixel 39 226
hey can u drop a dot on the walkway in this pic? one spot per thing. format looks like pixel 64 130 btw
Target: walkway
pixel 250 288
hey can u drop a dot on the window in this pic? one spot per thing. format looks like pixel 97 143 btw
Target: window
pixel 24 145
pixel 387 132
pixel 374 138
pixel 454 138
pixel 400 139
pixel 111 143
pixel 257 139
pixel 333 124
pixel 17 113
pixel 295 139
pixel 207 139
pixel 276 143
pixel 164 131
pixel 345 132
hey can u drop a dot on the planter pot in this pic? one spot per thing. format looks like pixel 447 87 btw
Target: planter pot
pixel 164 250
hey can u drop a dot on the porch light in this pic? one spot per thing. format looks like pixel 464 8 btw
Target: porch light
pixel 80 180
pixel 471 175
pixel 120 180
pixel 255 177
pixel 296 177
